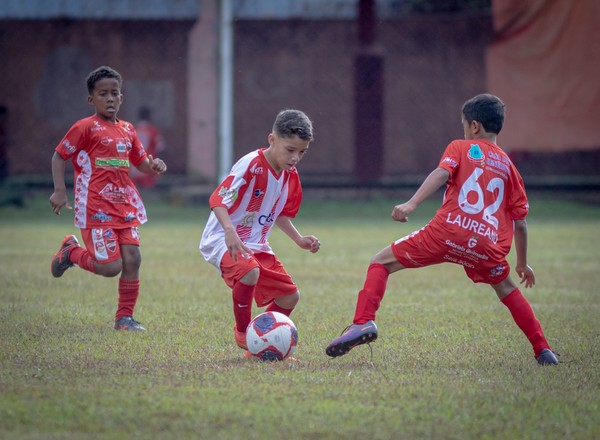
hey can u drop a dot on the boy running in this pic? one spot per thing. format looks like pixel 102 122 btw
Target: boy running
pixel 108 208
pixel 484 205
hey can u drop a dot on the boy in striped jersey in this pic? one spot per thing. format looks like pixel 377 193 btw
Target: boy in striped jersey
pixel 263 189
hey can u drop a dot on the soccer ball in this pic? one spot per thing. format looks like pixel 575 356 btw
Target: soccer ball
pixel 271 336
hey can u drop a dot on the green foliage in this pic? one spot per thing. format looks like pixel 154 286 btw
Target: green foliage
pixel 449 363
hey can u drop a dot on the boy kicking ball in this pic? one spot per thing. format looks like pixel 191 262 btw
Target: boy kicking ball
pixel 484 207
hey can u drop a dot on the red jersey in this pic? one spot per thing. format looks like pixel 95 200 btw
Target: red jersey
pixel 101 152
pixel 484 195
pixel 254 196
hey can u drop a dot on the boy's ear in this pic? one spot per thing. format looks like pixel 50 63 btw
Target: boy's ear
pixel 90 100
pixel 271 138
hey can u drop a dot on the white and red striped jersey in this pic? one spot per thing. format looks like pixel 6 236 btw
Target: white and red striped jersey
pixel 254 196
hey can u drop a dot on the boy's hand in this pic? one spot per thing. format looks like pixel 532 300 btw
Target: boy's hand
pixel 310 242
pixel 157 165
pixel 526 274
pixel 400 212
pixel 58 199
pixel 235 246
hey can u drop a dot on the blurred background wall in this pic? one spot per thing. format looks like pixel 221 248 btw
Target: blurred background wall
pixel 383 80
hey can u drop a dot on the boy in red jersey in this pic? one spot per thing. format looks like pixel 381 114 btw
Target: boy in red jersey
pixel 484 205
pixel 262 189
pixel 108 207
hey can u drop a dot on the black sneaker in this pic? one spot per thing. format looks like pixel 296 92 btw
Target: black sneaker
pixel 128 323
pixel 60 261
pixel 354 335
pixel 547 357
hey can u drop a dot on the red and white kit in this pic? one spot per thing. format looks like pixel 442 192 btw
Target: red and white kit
pixel 474 225
pixel 102 152
pixel 254 196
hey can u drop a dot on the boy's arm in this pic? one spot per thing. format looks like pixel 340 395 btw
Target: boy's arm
pixel 309 242
pixel 431 184
pixel 232 239
pixel 523 269
pixel 150 165
pixel 58 199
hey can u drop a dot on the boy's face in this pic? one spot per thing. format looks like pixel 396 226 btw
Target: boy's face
pixel 106 98
pixel 285 152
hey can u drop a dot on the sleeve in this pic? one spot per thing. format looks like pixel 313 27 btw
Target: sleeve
pixel 138 153
pixel 518 205
pixel 74 141
pixel 294 198
pixel 451 158
pixel 228 194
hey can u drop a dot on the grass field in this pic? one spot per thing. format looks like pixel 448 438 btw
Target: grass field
pixel 449 362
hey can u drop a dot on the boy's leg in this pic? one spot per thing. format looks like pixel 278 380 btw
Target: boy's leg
pixel 129 283
pixel 241 276
pixel 369 298
pixel 525 318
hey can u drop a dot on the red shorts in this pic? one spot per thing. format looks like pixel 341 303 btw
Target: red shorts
pixel 425 248
pixel 105 244
pixel 273 280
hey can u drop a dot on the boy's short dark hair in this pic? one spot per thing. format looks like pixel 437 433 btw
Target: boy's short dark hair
pixel 486 109
pixel 101 73
pixel 293 122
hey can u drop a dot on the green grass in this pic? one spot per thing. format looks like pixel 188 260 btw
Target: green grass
pixel 449 362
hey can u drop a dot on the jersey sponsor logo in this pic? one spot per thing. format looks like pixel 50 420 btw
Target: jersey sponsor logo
pixel 248 219
pixel 129 217
pixel 464 263
pixel 451 161
pixel 121 145
pixel 258 192
pixel 266 219
pixel 102 217
pixel 472 242
pixel 111 162
pixel 113 193
pixel 69 148
pixel 106 141
pixel 497 271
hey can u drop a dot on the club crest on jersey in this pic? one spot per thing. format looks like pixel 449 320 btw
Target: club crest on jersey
pixel 227 193
pixel 476 155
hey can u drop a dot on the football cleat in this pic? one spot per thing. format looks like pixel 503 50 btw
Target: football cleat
pixel 60 261
pixel 240 338
pixel 352 336
pixel 547 357
pixel 128 323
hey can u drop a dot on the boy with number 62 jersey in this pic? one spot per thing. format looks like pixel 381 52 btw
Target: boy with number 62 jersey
pixel 484 207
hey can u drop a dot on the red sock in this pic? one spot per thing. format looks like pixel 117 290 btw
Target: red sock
pixel 273 307
pixel 523 315
pixel 82 258
pixel 242 305
pixel 372 293
pixel 129 291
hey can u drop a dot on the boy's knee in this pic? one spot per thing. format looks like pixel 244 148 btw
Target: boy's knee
pixel 251 277
pixel 110 270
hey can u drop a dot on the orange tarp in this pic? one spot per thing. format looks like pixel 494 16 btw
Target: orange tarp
pixel 544 63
